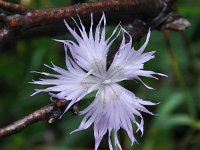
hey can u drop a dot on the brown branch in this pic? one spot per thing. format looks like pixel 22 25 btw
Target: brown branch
pixel 17 126
pixel 21 20
pixel 51 113
pixel 110 7
pixel 16 8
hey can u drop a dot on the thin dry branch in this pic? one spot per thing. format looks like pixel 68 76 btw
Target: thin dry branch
pixel 51 113
pixel 16 19
pixel 10 7
pixel 36 116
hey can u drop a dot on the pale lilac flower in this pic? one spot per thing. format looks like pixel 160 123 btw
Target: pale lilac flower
pixel 114 107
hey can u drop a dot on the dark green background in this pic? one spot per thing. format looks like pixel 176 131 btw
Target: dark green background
pixel 175 128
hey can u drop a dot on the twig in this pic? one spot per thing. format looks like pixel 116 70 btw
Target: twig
pixel 51 113
pixel 17 126
pixel 16 8
pixel 20 20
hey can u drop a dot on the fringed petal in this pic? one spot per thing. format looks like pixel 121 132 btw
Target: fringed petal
pixel 128 63
pixel 113 108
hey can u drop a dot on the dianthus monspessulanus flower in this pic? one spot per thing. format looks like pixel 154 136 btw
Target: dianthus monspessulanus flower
pixel 114 107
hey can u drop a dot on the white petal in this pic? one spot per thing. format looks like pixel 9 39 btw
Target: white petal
pixel 91 51
pixel 128 63
pixel 146 42
pixel 71 85
pixel 113 108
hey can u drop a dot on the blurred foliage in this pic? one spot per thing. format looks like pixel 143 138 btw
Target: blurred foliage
pixel 176 127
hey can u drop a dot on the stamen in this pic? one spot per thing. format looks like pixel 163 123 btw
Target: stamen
pixel 107 81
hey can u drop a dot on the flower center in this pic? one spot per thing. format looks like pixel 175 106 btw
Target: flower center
pixel 107 81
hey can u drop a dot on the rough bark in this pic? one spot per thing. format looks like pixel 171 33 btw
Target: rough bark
pixel 17 20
